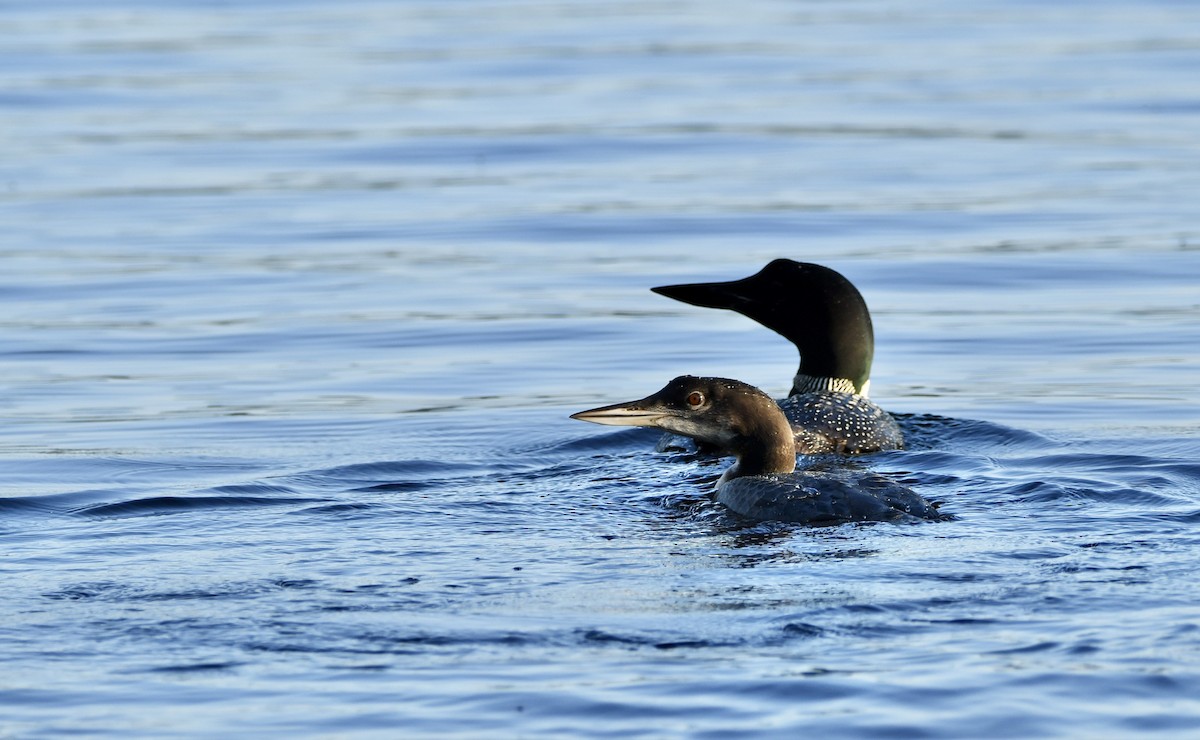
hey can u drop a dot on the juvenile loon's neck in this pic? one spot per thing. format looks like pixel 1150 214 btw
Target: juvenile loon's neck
pixel 764 444
pixel 773 460
pixel 777 457
pixel 803 383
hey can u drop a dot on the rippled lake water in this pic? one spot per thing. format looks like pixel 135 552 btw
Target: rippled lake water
pixel 297 298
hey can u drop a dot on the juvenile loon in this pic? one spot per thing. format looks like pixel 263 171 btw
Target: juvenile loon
pixel 825 316
pixel 763 484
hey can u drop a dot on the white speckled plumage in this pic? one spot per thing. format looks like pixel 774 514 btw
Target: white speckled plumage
pixel 843 423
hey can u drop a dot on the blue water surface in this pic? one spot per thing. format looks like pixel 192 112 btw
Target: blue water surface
pixel 297 298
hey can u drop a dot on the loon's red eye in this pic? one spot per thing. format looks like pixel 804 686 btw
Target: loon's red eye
pixel 695 398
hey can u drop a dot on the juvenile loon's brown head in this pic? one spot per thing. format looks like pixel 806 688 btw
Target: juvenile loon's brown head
pixel 726 413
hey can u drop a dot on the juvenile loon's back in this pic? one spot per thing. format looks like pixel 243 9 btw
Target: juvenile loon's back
pixel 826 497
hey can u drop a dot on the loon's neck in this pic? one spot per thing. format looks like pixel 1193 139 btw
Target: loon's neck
pixel 764 444
pixel 804 383
pixel 774 460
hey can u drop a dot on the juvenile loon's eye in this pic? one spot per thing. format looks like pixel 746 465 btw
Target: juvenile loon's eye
pixel 695 398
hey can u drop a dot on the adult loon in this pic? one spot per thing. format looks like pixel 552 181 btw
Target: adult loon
pixel 763 483
pixel 825 316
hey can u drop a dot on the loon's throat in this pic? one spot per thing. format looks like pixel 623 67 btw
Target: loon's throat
pixel 767 446
pixel 809 384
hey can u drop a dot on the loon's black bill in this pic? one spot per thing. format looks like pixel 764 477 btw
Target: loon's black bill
pixel 705 295
pixel 632 414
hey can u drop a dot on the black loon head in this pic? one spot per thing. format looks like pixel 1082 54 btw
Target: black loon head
pixel 726 413
pixel 820 311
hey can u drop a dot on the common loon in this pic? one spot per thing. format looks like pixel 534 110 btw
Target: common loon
pixel 824 315
pixel 763 483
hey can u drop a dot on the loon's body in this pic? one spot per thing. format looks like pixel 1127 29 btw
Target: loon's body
pixel 825 316
pixel 845 423
pixel 763 483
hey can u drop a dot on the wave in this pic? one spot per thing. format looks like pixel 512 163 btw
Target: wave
pixel 158 505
